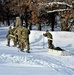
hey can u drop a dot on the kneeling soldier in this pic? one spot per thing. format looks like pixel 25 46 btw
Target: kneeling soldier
pixel 50 39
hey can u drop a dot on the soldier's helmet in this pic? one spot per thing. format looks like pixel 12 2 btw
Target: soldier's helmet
pixel 46 30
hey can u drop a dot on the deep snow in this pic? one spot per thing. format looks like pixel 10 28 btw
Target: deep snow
pixel 38 61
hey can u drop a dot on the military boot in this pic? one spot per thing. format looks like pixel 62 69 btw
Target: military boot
pixel 8 43
pixel 28 51
pixel 22 47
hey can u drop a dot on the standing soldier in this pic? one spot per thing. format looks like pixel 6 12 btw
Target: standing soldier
pixel 49 36
pixel 25 39
pixel 10 36
pixel 18 30
pixel 18 33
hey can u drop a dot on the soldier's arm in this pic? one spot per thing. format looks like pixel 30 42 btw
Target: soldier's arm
pixel 50 39
pixel 15 32
pixel 45 34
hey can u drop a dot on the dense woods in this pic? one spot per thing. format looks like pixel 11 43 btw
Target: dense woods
pixel 35 11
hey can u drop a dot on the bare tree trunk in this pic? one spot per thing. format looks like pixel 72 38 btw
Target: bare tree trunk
pixel 8 21
pixel 39 26
pixel 52 19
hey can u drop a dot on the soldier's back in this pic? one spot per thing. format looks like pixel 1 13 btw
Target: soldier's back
pixel 49 35
pixel 25 33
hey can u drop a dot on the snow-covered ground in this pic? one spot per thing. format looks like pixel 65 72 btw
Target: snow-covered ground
pixel 38 61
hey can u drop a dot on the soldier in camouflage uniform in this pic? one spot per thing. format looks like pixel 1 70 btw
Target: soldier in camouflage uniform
pixel 50 39
pixel 25 39
pixel 18 30
pixel 10 36
pixel 18 33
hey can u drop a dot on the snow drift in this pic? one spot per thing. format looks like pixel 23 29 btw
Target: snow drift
pixel 38 62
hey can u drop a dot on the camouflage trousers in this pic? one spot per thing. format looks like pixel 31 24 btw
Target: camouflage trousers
pixel 24 43
pixel 13 38
pixel 50 45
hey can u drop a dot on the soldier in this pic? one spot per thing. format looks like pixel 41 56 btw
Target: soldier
pixel 25 39
pixel 18 33
pixel 18 30
pixel 10 36
pixel 50 39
